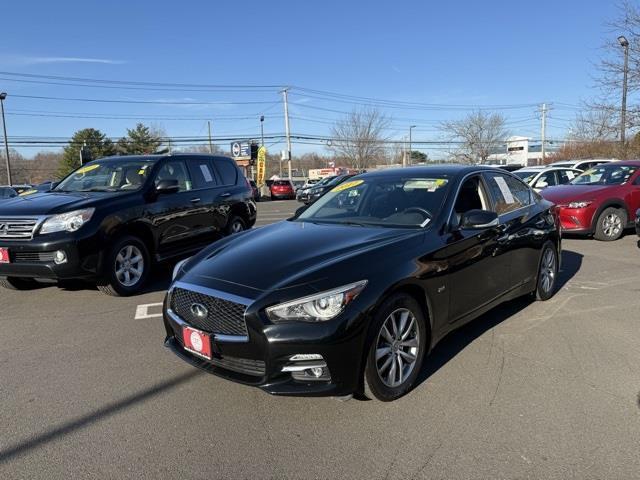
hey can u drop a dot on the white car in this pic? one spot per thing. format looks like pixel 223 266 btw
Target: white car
pixel 543 177
pixel 582 164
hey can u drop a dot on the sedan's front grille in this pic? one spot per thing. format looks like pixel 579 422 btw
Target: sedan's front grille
pixel 223 317
pixel 33 257
pixel 17 228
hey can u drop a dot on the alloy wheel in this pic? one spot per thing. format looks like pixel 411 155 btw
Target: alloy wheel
pixel 612 225
pixel 236 227
pixel 548 270
pixel 129 265
pixel 397 347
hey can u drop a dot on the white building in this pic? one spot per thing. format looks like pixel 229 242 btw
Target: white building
pixel 520 151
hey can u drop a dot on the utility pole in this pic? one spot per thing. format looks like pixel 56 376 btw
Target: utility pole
pixel 3 95
pixel 624 43
pixel 286 128
pixel 542 133
pixel 210 142
pixel 410 146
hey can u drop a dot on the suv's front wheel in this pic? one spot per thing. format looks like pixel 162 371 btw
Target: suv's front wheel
pixel 126 267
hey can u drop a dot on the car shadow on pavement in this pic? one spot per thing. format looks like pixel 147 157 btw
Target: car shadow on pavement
pixel 459 339
pixel 103 413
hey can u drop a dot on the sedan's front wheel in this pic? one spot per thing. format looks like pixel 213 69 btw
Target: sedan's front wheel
pixel 547 272
pixel 611 224
pixel 397 348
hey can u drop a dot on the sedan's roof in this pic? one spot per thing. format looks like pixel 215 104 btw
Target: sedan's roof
pixel 434 170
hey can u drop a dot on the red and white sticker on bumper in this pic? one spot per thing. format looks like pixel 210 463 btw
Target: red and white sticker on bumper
pixel 197 342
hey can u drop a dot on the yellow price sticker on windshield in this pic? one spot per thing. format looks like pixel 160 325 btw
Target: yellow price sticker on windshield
pixel 28 192
pixel 347 185
pixel 88 168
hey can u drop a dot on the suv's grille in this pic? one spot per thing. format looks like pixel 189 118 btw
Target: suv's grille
pixel 17 228
pixel 33 257
pixel 223 316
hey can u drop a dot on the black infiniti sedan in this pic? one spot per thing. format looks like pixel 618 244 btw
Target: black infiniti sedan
pixel 351 295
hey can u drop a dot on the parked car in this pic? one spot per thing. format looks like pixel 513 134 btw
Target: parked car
pixel 353 295
pixel 7 192
pixel 302 195
pixel 311 182
pixel 600 201
pixel 320 189
pixel 113 218
pixel 582 164
pixel 255 191
pixel 282 190
pixel 542 177
pixel 20 189
pixel 638 225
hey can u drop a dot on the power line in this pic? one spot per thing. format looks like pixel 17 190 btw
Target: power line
pixel 154 102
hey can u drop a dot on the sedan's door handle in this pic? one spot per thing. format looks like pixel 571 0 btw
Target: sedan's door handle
pixel 225 194
pixel 195 200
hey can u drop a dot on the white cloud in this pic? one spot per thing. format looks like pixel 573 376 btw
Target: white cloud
pixel 32 60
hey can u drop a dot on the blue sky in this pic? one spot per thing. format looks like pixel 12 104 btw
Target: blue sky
pixel 449 53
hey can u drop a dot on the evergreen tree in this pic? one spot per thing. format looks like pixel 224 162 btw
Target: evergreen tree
pixel 96 141
pixel 140 140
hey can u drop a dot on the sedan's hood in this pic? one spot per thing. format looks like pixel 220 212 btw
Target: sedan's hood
pixel 286 253
pixel 563 194
pixel 49 203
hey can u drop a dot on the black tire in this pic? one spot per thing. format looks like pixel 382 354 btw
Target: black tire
pixel 110 283
pixel 547 272
pixel 236 225
pixel 374 385
pixel 610 224
pixel 17 283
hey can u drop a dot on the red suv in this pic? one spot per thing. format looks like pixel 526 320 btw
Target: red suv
pixel 282 189
pixel 599 202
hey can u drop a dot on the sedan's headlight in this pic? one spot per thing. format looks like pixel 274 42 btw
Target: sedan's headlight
pixel 67 222
pixel 319 307
pixel 582 204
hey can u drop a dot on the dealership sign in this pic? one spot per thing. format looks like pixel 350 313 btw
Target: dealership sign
pixel 241 150
pixel 262 165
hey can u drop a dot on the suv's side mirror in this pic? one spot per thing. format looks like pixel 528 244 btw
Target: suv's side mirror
pixel 167 186
pixel 478 219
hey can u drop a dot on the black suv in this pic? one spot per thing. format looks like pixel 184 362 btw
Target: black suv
pixel 112 218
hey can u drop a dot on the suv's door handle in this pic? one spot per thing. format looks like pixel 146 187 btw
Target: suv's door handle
pixel 195 200
pixel 225 194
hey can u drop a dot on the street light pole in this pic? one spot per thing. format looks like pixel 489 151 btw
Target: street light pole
pixel 262 129
pixel 624 43
pixel 410 150
pixel 3 95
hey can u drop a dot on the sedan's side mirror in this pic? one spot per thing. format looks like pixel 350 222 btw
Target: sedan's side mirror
pixel 164 187
pixel 478 219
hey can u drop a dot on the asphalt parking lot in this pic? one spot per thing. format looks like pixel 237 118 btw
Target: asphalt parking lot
pixel 529 390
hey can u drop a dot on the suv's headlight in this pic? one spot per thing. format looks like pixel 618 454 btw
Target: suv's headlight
pixel 319 307
pixel 69 222
pixel 582 204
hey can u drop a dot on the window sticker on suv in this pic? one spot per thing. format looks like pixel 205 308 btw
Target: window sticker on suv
pixel 88 168
pixel 347 185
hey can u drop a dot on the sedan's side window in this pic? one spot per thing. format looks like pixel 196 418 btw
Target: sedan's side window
pixel 547 179
pixel 566 176
pixel 471 196
pixel 508 192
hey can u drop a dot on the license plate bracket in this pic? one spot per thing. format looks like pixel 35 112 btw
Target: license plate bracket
pixel 197 342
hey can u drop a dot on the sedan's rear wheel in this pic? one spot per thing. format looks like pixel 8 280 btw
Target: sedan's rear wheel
pixel 610 224
pixel 397 348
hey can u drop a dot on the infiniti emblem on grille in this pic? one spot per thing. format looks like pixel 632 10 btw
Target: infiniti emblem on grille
pixel 199 310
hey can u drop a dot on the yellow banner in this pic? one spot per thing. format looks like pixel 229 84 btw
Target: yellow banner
pixel 262 165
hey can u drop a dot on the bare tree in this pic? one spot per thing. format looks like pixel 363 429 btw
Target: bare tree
pixel 595 123
pixel 479 135
pixel 359 138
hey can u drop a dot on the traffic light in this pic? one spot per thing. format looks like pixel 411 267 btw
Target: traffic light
pixel 254 153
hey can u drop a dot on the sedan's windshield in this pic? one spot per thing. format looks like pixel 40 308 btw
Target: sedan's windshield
pixel 607 174
pixel 385 201
pixel 107 176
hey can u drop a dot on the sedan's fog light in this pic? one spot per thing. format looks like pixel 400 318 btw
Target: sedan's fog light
pixel 60 257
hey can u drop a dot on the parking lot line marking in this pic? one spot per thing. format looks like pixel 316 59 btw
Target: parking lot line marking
pixel 142 311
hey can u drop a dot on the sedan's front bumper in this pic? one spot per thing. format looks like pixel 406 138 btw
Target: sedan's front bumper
pixel 265 360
